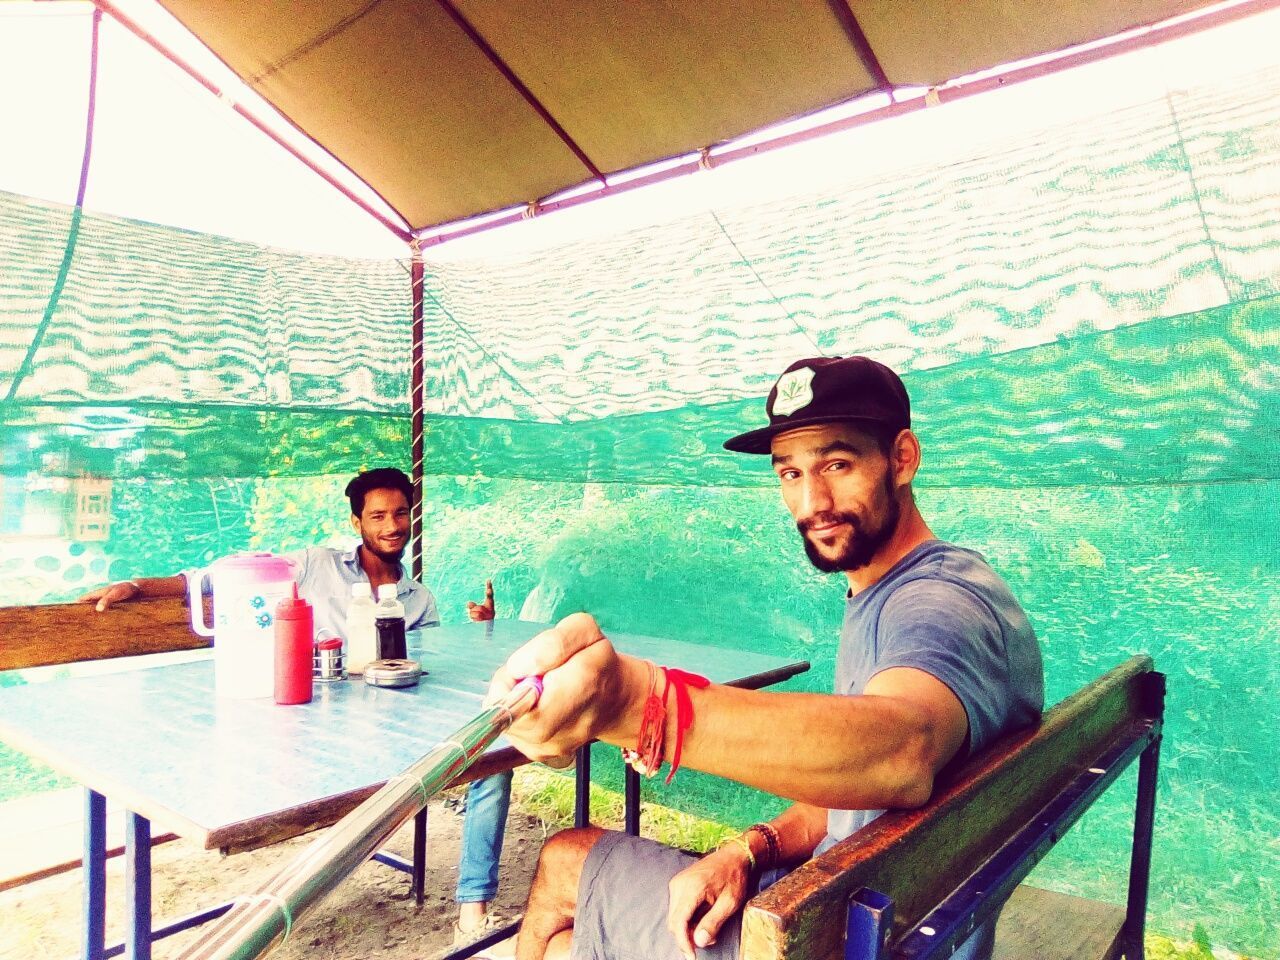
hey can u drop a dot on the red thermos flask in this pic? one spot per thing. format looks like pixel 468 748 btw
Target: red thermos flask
pixel 294 632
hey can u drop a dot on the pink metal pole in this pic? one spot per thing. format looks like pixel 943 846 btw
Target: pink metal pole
pixel 417 380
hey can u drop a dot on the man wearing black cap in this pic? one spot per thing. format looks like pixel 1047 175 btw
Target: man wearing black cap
pixel 936 660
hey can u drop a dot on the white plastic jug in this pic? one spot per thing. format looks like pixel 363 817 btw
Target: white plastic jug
pixel 246 589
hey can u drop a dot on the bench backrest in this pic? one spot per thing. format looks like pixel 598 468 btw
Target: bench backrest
pixel 918 857
pixel 69 632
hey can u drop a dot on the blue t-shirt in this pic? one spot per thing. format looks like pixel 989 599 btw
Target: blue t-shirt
pixel 943 610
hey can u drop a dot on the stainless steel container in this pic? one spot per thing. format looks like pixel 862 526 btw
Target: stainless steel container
pixel 327 663
pixel 393 673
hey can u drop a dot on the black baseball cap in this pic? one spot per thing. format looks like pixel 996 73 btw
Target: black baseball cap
pixel 826 390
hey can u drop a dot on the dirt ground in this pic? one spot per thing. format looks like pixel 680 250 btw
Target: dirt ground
pixel 370 915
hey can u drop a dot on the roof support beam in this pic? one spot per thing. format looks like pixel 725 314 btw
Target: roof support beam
pixel 853 29
pixel 510 76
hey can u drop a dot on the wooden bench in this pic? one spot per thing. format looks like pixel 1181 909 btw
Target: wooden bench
pixel 71 632
pixel 914 884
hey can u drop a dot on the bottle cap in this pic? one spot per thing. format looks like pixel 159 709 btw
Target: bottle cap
pixel 387 591
pixel 361 588
pixel 329 643
pixel 292 606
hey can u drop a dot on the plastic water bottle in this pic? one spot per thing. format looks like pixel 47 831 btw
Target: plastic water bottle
pixel 390 624
pixel 362 636
pixel 294 629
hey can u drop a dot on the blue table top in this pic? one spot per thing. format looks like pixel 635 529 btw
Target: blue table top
pixel 158 742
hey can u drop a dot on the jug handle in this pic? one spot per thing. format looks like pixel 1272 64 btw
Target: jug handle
pixel 195 600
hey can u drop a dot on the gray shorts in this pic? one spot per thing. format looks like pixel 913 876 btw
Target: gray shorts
pixel 622 904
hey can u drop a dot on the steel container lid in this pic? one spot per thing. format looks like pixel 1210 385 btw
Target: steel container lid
pixel 393 673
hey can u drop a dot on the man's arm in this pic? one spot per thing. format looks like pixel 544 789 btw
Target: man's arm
pixel 719 881
pixel 139 589
pixel 880 749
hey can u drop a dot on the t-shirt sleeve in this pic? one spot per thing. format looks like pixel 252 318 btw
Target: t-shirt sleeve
pixel 946 631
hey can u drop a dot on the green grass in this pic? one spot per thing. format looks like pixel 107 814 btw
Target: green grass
pixel 549 796
pixel 1160 947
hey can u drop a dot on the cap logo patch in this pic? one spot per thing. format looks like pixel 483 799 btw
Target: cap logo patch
pixel 795 392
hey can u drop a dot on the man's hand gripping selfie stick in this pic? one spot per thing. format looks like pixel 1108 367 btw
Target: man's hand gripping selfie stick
pixel 258 921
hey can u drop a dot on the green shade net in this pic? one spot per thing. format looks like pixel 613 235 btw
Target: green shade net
pixel 169 380
pixel 168 397
pixel 1088 321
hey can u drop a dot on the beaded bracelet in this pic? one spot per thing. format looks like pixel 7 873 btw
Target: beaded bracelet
pixel 773 844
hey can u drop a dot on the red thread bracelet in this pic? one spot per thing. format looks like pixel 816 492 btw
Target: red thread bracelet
pixel 647 756
pixel 651 740
pixel 682 680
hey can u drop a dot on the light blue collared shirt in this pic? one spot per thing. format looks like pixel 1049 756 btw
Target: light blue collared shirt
pixel 325 576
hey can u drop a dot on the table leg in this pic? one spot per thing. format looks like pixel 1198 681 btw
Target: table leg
pixel 631 806
pixel 137 872
pixel 95 875
pixel 419 882
pixel 582 783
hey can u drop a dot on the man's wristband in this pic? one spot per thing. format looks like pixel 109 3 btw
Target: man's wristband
pixel 137 587
pixel 741 841
pixel 772 854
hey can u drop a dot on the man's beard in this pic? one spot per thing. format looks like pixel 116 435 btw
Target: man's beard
pixel 861 546
pixel 383 555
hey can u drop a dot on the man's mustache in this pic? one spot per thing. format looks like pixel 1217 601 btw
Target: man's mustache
pixel 822 519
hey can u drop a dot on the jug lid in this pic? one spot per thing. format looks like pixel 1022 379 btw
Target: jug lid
pixel 265 566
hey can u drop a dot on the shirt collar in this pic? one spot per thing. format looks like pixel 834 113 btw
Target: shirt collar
pixel 404 586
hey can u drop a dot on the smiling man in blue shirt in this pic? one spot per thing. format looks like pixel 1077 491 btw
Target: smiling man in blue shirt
pixel 380 513
pixel 381 503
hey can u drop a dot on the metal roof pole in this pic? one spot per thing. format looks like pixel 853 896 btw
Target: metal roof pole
pixel 417 402
pixel 853 29
pixel 510 76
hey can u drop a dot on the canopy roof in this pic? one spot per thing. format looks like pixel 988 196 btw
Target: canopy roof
pixel 452 108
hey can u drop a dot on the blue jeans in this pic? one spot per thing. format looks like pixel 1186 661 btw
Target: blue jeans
pixel 482 830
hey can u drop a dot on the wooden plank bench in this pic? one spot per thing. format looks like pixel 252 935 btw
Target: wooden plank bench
pixel 913 884
pixel 71 632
